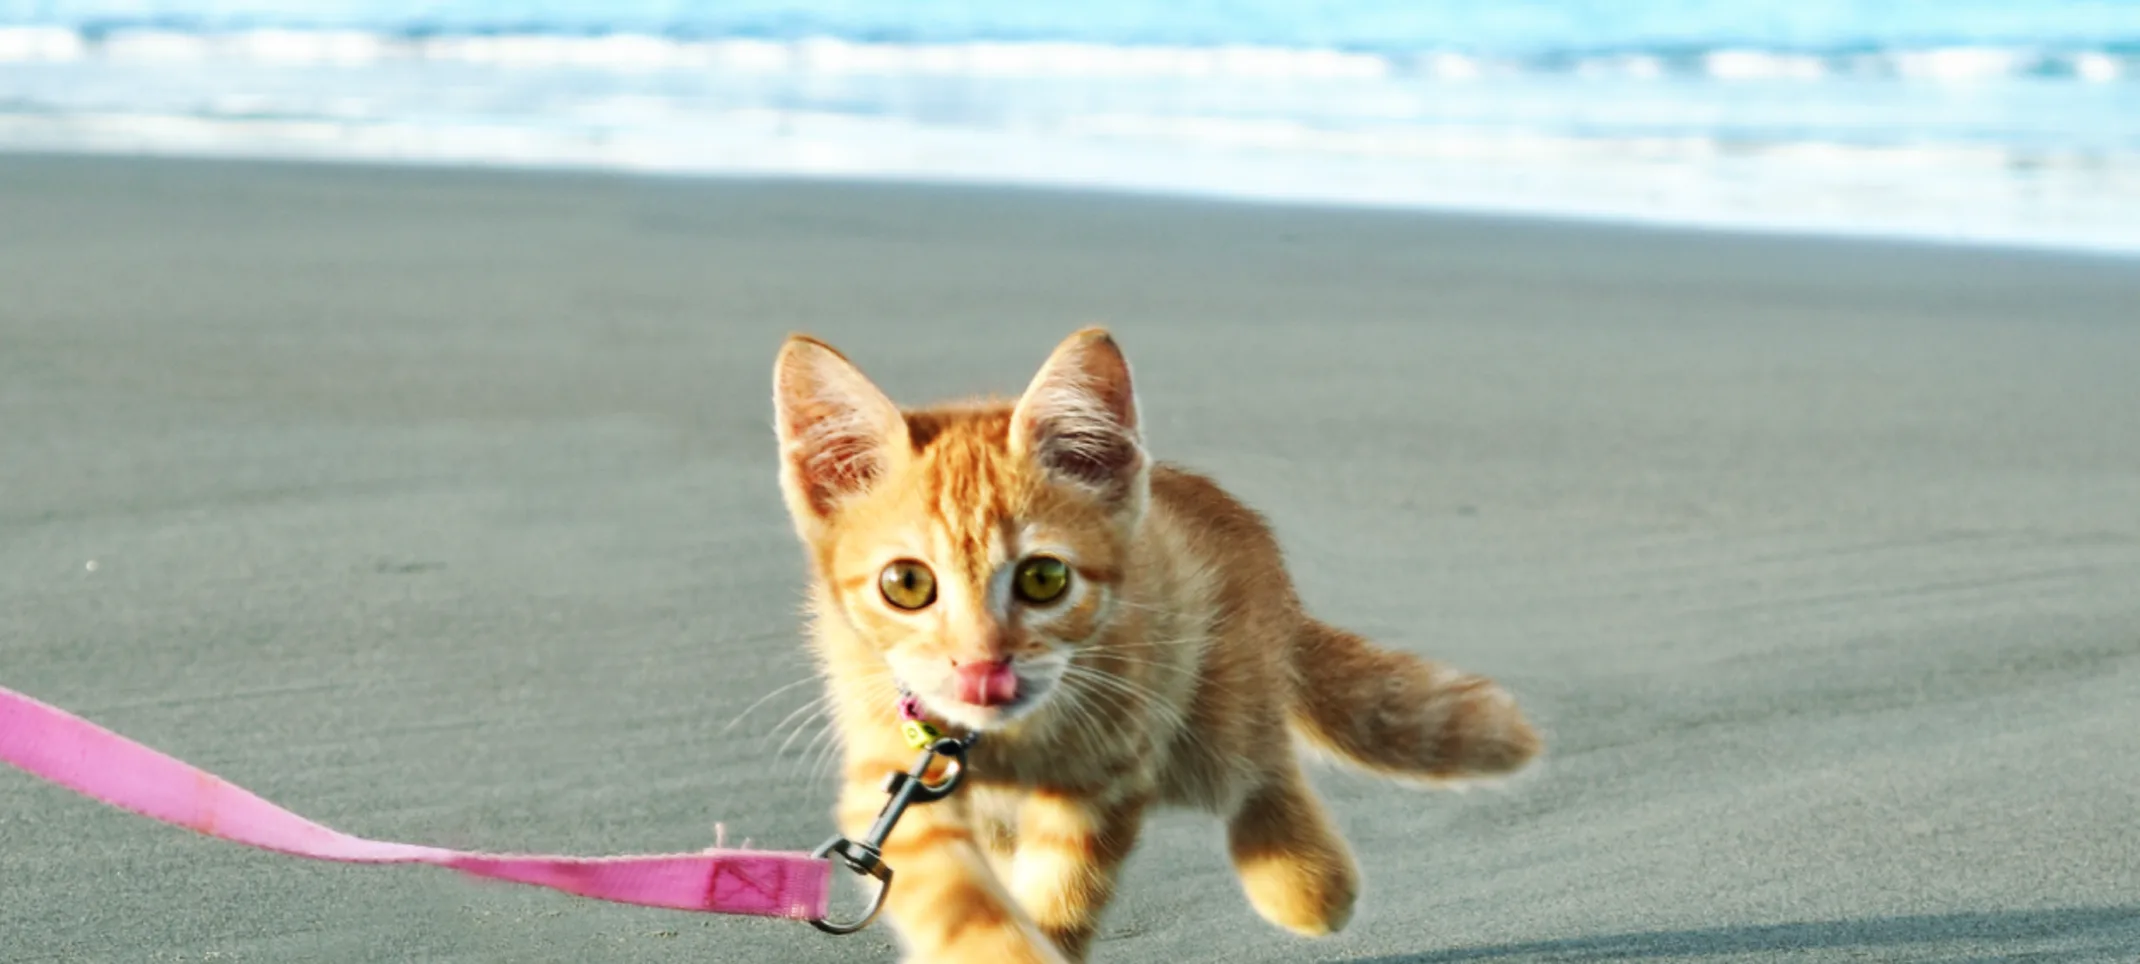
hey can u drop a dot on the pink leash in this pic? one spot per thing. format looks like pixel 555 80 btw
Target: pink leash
pixel 65 749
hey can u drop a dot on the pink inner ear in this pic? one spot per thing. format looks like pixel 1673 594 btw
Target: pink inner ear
pixel 837 466
pixel 1102 375
pixel 837 425
pixel 1089 452
pixel 1080 415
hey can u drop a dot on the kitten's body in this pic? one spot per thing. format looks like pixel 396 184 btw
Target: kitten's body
pixel 1172 668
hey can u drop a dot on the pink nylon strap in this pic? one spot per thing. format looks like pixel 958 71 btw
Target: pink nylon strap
pixel 67 750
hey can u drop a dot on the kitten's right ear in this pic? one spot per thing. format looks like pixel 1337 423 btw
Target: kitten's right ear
pixel 1078 421
pixel 838 432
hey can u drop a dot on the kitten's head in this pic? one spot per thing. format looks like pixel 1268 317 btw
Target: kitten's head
pixel 975 548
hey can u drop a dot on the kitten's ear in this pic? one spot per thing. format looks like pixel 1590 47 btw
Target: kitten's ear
pixel 838 433
pixel 1078 419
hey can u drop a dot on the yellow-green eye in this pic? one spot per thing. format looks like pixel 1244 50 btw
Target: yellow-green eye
pixel 908 584
pixel 1041 579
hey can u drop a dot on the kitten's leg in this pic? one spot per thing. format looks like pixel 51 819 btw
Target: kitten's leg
pixel 945 902
pixel 1069 850
pixel 1296 870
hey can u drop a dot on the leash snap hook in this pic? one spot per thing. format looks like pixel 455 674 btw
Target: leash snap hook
pixel 865 857
pixel 924 791
pixel 865 861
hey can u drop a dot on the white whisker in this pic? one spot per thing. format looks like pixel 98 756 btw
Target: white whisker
pixel 761 701
pixel 800 728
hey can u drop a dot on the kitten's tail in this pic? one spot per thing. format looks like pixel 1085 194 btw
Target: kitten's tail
pixel 1399 715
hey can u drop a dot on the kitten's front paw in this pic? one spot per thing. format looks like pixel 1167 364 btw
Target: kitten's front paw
pixel 994 947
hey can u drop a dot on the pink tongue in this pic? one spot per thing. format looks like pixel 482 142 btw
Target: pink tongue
pixel 987 684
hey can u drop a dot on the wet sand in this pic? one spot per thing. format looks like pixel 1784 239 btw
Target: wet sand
pixel 439 506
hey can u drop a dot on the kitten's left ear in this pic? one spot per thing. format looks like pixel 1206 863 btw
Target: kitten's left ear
pixel 1078 420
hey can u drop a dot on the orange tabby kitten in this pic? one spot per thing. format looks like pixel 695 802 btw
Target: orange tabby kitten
pixel 1122 632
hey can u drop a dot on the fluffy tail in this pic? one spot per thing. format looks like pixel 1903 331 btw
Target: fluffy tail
pixel 1402 716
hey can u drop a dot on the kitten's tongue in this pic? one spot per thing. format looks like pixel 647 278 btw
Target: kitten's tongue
pixel 987 684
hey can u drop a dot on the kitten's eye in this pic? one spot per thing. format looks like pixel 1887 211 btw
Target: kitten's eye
pixel 908 584
pixel 1040 579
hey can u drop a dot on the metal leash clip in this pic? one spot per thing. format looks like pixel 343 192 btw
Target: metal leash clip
pixel 865 857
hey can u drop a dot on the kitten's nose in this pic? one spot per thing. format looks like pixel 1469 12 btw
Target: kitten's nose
pixel 990 683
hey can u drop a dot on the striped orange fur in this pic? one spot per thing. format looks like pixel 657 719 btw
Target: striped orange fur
pixel 1124 633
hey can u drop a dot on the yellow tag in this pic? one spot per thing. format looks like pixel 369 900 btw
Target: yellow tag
pixel 919 734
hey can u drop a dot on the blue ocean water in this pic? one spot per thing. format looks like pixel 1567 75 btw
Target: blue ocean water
pixel 2014 121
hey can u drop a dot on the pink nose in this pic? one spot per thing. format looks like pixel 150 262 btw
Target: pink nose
pixel 987 684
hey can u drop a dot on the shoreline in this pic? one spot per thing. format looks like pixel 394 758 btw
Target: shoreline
pixel 1487 212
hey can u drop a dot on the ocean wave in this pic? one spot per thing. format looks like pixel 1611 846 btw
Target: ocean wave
pixel 1996 135
pixel 2105 63
pixel 1503 26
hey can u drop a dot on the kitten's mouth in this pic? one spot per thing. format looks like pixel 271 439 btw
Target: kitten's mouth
pixel 987 684
pixel 987 695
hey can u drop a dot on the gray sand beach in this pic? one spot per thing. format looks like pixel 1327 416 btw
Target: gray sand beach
pixel 439 506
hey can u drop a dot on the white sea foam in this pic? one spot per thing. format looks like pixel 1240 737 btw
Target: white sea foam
pixel 308 47
pixel 1763 65
pixel 625 51
pixel 1956 193
pixel 1961 64
pixel 1637 66
pixel 2100 68
pixel 31 44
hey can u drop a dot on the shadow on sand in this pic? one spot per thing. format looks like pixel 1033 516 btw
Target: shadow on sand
pixel 2064 932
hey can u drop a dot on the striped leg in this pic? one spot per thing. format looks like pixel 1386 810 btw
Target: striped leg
pixel 1069 849
pixel 1297 871
pixel 945 902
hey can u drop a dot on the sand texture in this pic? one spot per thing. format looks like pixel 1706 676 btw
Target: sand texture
pixel 440 506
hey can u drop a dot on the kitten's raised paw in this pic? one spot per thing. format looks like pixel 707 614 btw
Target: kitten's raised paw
pixel 1312 898
pixel 1295 869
